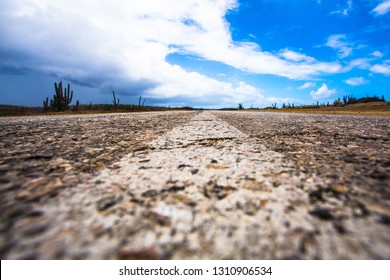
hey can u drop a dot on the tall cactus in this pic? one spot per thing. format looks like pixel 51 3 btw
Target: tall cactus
pixel 139 102
pixel 76 107
pixel 61 99
pixel 46 104
pixel 114 101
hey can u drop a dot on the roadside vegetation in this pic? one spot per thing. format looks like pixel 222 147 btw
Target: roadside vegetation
pixel 348 104
pixel 62 99
pixel 61 104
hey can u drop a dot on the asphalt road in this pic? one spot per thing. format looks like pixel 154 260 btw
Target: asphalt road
pixel 209 185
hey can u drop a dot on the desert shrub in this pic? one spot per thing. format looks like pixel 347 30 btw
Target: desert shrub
pixel 337 103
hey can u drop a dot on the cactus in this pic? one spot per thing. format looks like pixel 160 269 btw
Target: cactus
pixel 61 99
pixel 349 99
pixel 274 106
pixel 139 101
pixel 114 101
pixel 76 107
pixel 46 105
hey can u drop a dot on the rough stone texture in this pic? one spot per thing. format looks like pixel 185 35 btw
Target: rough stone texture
pixel 42 156
pixel 292 186
pixel 350 153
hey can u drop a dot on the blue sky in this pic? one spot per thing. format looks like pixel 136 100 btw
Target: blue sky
pixel 202 53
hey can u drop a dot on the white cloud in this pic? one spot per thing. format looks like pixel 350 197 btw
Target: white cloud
pixel 338 43
pixel 382 8
pixel 247 57
pixel 349 4
pixel 307 85
pixel 377 54
pixel 383 69
pixel 322 92
pixel 361 46
pixel 295 56
pixel 356 81
pixel 125 44
pixel 361 63
pixel 345 11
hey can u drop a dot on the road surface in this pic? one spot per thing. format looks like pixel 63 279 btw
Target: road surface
pixel 190 185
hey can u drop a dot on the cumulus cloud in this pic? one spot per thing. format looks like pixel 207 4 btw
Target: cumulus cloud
pixel 360 63
pixel 307 85
pixel 377 54
pixel 383 69
pixel 322 92
pixel 356 81
pixel 124 44
pixel 382 8
pixel 338 43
